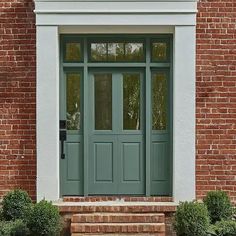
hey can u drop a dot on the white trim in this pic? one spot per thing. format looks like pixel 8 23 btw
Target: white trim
pixel 48 28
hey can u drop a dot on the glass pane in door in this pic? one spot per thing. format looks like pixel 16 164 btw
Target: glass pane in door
pixel 73 110
pixel 131 101
pixel 103 101
pixel 159 101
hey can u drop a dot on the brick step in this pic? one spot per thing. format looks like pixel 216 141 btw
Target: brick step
pixel 129 207
pixel 120 234
pixel 118 218
pixel 114 198
pixel 118 228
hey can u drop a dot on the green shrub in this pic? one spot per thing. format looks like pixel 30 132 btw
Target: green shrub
pixel 225 228
pixel 44 219
pixel 191 218
pixel 16 205
pixel 1 214
pixel 218 205
pixel 13 228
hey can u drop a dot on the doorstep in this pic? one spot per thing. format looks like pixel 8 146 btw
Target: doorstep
pixel 105 217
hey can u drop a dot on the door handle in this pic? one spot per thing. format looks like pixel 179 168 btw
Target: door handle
pixel 62 139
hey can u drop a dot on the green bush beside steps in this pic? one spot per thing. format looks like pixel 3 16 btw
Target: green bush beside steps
pixel 215 216
pixel 20 217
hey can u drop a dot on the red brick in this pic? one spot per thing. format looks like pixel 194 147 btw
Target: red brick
pixel 17 82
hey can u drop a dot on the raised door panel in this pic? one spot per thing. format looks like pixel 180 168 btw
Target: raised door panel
pixel 103 159
pixel 131 177
pixel 74 162
pixel 72 169
pixel 160 168
pixel 102 163
pixel 131 162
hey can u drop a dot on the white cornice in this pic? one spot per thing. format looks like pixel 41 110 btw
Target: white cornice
pixel 73 12
pixel 148 7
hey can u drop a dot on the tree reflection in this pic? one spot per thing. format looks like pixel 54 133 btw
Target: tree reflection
pixel 159 51
pixel 159 101
pixel 73 52
pixel 73 101
pixel 117 52
pixel 131 101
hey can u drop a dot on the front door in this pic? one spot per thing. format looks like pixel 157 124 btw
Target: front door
pixel 115 113
pixel 116 146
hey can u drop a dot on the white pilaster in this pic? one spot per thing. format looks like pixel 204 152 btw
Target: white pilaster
pixel 184 113
pixel 47 113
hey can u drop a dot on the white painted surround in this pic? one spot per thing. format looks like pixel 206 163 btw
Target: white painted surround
pixel 55 17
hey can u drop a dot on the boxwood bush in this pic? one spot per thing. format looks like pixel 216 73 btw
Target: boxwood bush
pixel 44 219
pixel 191 218
pixel 224 228
pixel 218 205
pixel 16 205
pixel 13 228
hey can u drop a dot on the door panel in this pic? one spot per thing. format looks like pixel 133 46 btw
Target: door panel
pixel 73 162
pixel 159 166
pixel 102 163
pixel 131 163
pixel 103 159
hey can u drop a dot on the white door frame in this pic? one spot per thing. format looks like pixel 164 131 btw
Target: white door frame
pixel 55 17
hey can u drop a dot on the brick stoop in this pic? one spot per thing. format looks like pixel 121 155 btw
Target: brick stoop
pixel 117 218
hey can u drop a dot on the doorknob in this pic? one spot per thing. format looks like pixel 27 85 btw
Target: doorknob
pixel 62 137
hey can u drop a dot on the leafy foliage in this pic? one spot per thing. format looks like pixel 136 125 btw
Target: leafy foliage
pixel 224 228
pixel 44 219
pixel 218 205
pixel 191 219
pixel 16 205
pixel 13 228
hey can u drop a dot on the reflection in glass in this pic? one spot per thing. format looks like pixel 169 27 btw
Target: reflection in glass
pixel 134 52
pixel 103 101
pixel 159 51
pixel 99 51
pixel 73 101
pixel 73 52
pixel 159 101
pixel 131 101
pixel 117 52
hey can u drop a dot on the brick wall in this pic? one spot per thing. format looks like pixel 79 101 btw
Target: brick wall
pixel 216 97
pixel 17 96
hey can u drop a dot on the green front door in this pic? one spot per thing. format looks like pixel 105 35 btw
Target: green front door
pixel 116 115
pixel 116 150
